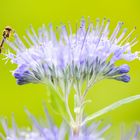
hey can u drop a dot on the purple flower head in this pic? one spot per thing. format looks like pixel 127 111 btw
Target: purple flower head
pixel 133 134
pixel 49 131
pixel 89 54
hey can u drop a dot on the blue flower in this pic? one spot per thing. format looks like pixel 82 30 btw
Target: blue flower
pixel 133 134
pixel 50 131
pixel 89 54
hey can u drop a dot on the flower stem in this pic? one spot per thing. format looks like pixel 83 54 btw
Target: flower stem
pixel 68 109
pixel 78 112
pixel 77 125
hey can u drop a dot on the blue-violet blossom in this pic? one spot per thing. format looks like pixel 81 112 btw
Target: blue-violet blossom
pixel 89 54
pixel 49 131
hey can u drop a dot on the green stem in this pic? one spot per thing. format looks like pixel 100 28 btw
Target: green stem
pixel 68 109
pixel 78 112
pixel 111 107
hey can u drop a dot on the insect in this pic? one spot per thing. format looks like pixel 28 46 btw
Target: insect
pixel 6 33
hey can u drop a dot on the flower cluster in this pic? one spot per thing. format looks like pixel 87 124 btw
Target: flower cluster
pixel 89 54
pixel 51 132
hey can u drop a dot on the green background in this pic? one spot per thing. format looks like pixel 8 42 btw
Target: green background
pixel 20 14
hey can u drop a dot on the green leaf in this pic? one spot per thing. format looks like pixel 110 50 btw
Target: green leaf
pixel 57 103
pixel 111 107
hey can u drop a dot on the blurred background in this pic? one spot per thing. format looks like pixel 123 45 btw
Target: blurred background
pixel 20 14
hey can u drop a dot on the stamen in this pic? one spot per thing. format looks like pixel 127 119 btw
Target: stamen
pixel 88 20
pixel 31 38
pixel 14 125
pixel 102 26
pixel 40 36
pixel 116 31
pixel 52 34
pixel 101 35
pixel 76 33
pixel 19 43
pixel 5 127
pixel 71 35
pixel 70 29
pixel 12 46
pixel 128 36
pixel 65 35
pixel 134 40
pixel 97 26
pixel 28 42
pixel 82 29
pixel 45 33
pixel 82 26
pixel 85 37
pixel 34 33
pixel 105 31
pixel 121 36
pixel 134 43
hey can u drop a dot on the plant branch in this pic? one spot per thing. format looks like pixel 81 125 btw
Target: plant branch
pixel 111 107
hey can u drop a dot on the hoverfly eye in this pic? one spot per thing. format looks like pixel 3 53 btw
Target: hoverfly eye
pixel 8 28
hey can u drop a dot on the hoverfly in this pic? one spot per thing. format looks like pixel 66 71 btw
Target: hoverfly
pixel 6 33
